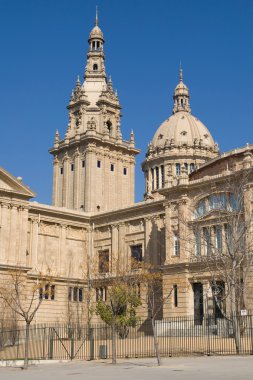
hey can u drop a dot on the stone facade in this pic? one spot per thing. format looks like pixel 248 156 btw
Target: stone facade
pixel 93 207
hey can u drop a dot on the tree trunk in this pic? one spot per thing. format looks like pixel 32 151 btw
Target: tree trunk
pixel 27 332
pixel 114 357
pixel 156 343
pixel 235 317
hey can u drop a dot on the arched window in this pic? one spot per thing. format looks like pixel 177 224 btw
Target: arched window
pixel 109 127
pixel 95 67
pixel 178 169
pixel 218 202
pixel 176 245
pixel 192 167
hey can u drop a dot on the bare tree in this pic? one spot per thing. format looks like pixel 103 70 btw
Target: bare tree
pixel 222 242
pixel 24 296
pixel 154 296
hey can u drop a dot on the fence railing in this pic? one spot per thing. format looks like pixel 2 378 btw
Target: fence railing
pixel 176 336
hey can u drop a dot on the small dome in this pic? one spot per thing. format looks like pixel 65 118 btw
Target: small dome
pixel 183 128
pixel 181 89
pixel 96 33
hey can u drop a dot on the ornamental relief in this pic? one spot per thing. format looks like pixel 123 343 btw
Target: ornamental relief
pixel 103 232
pixel 135 226
pixel 48 229
pixel 75 233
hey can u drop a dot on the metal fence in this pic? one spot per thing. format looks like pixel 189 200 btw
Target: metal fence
pixel 176 336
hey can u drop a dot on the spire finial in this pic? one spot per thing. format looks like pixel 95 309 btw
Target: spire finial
pixel 180 72
pixel 96 23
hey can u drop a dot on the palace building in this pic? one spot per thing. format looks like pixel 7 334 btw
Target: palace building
pixel 188 184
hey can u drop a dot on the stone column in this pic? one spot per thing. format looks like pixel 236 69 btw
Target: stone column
pixel 34 239
pixel 21 249
pixel 65 184
pixel 185 245
pixel 168 233
pixel 147 238
pixel 56 189
pixel 154 171
pixel 5 230
pixel 155 251
pixel 119 179
pixel 63 264
pixel 77 174
pixel 12 247
pixel 114 249
pixel 121 246
pixel 132 180
pixel 88 174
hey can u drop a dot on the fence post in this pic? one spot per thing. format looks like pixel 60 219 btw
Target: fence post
pixel 251 335
pixel 50 343
pixel 208 335
pixel 91 338
pixel 72 348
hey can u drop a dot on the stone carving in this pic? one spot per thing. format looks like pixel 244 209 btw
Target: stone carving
pixel 75 233
pixel 49 229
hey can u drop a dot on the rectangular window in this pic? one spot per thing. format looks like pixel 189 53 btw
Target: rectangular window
pixel 125 171
pixel 229 239
pixel 178 169
pixel 72 167
pixel 175 293
pixel 157 177
pixel 136 253
pixel 52 292
pixel 80 295
pixel 83 164
pixel 75 291
pixel 176 245
pixel 75 294
pixel 98 164
pixel 218 238
pixel 162 176
pixel 47 293
pixel 103 261
pixel 70 290
pixel 207 240
pixel 153 180
pixel 101 294
pixel 61 170
pixel 112 167
pixel 197 242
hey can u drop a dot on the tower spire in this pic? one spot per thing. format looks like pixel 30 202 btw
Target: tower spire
pixel 181 95
pixel 96 22
pixel 180 72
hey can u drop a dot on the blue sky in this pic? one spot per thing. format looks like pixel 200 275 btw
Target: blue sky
pixel 43 49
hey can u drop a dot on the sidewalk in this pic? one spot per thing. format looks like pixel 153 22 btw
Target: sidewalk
pixel 198 368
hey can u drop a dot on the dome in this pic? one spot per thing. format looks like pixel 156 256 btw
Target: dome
pixel 181 89
pixel 182 128
pixel 96 33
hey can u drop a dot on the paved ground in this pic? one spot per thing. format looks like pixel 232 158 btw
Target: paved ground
pixel 201 368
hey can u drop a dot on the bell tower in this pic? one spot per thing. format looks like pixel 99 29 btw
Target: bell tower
pixel 93 166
